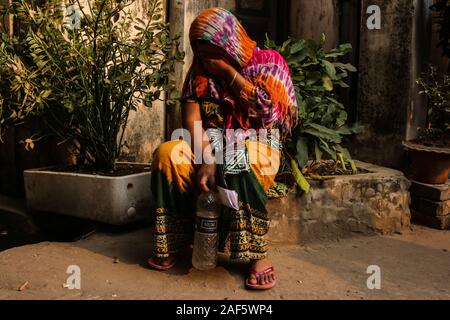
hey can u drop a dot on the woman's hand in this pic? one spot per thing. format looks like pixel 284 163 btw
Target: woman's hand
pixel 206 177
pixel 217 67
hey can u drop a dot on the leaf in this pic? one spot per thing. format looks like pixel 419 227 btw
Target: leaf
pixel 312 77
pixel 298 46
pixel 345 66
pixel 324 145
pixel 297 58
pixel 302 151
pixel 341 118
pixel 327 83
pixel 317 151
pixel 344 130
pixel 334 101
pixel 345 47
pixel 269 44
pixel 353 166
pixel 342 84
pixel 323 132
pixel 285 45
pixel 342 161
pixel 299 177
pixel 330 69
pixel 46 93
pixel 29 144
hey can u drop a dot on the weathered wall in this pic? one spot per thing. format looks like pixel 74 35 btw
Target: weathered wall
pixel 436 58
pixel 385 80
pixel 145 130
pixel 309 19
pixel 421 45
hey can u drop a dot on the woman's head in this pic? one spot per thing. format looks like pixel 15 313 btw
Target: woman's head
pixel 206 50
pixel 216 32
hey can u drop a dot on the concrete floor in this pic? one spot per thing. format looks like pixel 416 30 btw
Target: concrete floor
pixel 414 265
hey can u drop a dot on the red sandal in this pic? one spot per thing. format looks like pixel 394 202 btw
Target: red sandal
pixel 154 265
pixel 258 275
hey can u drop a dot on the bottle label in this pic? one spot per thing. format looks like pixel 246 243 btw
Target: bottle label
pixel 205 225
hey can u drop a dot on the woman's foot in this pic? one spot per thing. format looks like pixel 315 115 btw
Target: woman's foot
pixel 162 263
pixel 261 276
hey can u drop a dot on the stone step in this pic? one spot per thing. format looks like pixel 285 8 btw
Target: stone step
pixel 436 192
pixel 438 222
pixel 376 202
pixel 429 207
pixel 430 204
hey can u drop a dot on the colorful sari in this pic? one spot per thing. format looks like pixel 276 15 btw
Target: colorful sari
pixel 268 96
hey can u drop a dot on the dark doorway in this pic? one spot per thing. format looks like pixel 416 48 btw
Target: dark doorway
pixel 350 26
pixel 264 16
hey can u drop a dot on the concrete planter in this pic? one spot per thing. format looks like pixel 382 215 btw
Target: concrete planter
pixel 372 203
pixel 113 200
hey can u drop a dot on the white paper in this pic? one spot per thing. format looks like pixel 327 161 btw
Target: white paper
pixel 229 198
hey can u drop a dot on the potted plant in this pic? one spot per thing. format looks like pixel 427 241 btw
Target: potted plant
pixel 81 70
pixel 430 151
pixel 315 144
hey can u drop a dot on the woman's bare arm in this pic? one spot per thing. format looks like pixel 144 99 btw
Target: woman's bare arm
pixel 190 116
pixel 227 72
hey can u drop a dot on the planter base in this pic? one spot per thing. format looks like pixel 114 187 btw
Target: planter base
pixel 112 200
pixel 430 204
pixel 430 165
pixel 372 203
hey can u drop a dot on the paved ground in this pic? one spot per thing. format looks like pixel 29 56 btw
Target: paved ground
pixel 414 265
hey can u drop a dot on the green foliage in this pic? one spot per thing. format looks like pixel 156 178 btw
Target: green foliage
pixel 83 82
pixel 442 18
pixel 299 177
pixel 322 118
pixel 437 90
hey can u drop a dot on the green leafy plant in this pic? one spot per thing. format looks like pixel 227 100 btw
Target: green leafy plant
pixel 437 89
pixel 322 118
pixel 83 80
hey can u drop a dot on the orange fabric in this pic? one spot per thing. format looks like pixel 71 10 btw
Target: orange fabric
pixel 264 162
pixel 221 28
pixel 175 159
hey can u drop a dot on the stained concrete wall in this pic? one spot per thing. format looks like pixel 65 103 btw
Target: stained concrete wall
pixel 145 130
pixel 422 49
pixel 309 19
pixel 386 82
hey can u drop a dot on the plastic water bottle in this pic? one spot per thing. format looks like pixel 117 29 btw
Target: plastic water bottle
pixel 206 237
